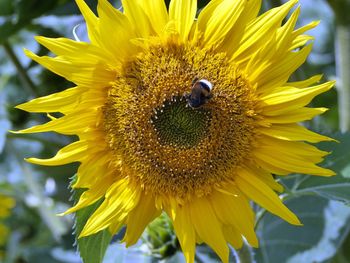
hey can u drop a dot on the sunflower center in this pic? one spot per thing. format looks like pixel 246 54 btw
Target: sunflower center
pixel 179 125
pixel 166 146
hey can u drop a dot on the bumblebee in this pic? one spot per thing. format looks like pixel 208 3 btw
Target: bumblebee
pixel 200 93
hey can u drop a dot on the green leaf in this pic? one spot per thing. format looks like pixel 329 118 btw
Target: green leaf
pixel 336 187
pixel 9 28
pixel 6 7
pixel 343 254
pixel 92 248
pixel 326 223
pixel 68 7
pixel 339 159
pixel 202 4
pixel 29 9
pixel 25 11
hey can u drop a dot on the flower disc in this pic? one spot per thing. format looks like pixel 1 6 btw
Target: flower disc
pixel 169 147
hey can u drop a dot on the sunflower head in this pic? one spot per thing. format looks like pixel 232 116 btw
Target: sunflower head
pixel 172 148
pixel 185 113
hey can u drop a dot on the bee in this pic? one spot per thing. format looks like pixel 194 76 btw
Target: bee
pixel 200 93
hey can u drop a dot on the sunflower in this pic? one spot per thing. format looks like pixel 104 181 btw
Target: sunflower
pixel 6 203
pixel 145 149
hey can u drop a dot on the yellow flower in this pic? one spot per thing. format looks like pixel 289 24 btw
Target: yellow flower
pixel 6 203
pixel 145 150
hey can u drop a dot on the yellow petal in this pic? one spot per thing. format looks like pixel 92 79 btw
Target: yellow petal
pixel 157 14
pixel 260 29
pixel 293 132
pixel 292 164
pixel 293 116
pixel 300 41
pixel 142 214
pixel 70 48
pixel 115 226
pixel 137 16
pixel 233 38
pixel 73 152
pixel 93 170
pixel 305 83
pixel 89 197
pixel 260 193
pixel 85 73
pixel 297 150
pixel 271 168
pixel 183 13
pixel 115 31
pixel 208 227
pixel 233 236
pixel 91 21
pixel 66 125
pixel 58 102
pixel 277 73
pixel 297 96
pixel 300 157
pixel 221 20
pixel 120 199
pixel 78 52
pixel 206 14
pixel 267 178
pixel 184 230
pixel 7 202
pixel 284 33
pixel 305 28
pixel 235 211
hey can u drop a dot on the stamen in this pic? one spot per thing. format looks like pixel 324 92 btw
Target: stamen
pixel 179 125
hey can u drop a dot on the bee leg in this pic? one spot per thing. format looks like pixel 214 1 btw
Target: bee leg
pixel 195 80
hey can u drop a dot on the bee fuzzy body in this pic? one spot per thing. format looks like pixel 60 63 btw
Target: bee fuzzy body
pixel 200 93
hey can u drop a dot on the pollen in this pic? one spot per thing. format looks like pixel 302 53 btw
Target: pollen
pixel 166 146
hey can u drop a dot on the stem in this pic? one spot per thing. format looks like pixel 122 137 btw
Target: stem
pixel 245 254
pixel 26 81
pixel 300 179
pixel 342 69
pixel 342 59
pixel 297 194
pixel 259 216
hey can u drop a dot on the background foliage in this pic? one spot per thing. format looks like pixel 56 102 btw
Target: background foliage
pixel 38 235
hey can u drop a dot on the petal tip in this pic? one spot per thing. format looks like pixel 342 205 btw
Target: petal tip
pixel 331 173
pixel 15 132
pixel 30 160
pixel 29 53
pixel 38 38
pixel 35 161
pixel 22 106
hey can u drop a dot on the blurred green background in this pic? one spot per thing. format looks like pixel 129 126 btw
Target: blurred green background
pixel 37 235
